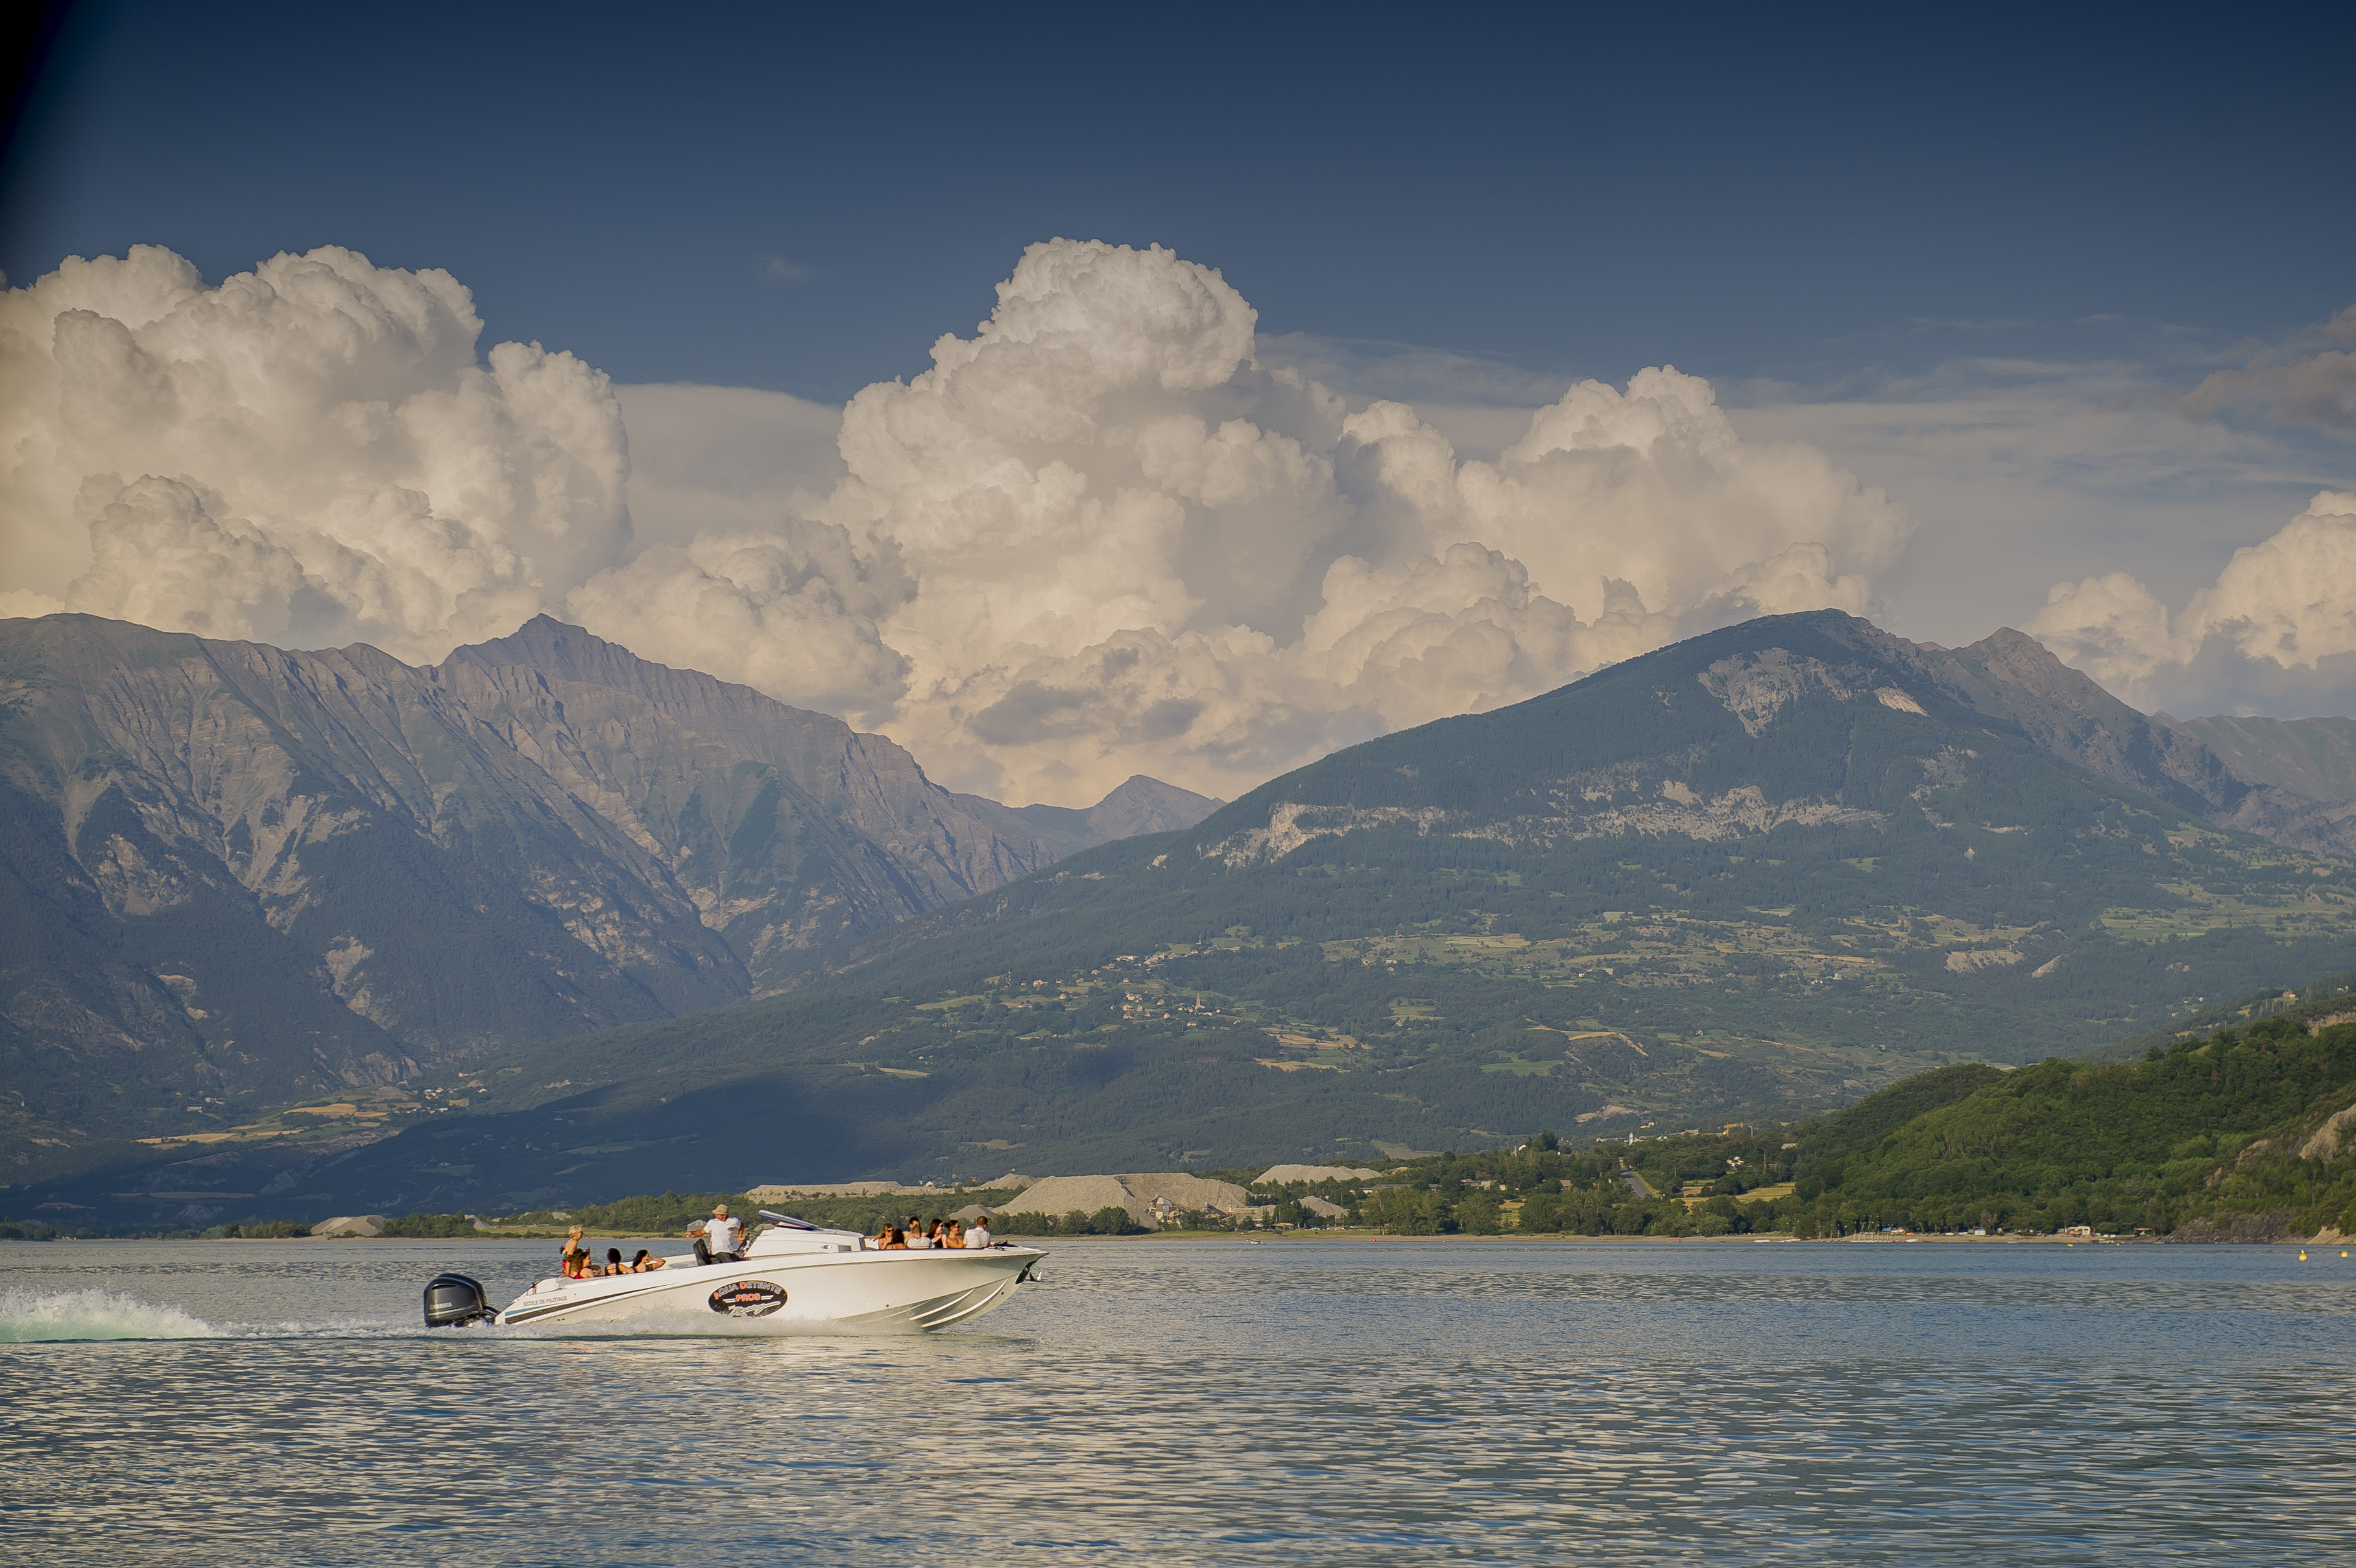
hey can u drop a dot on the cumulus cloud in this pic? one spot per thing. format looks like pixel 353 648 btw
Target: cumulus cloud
pixel 310 452
pixel 27 603
pixel 793 610
pixel 2277 631
pixel 1098 536
pixel 1101 537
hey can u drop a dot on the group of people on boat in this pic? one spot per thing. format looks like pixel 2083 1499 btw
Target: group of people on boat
pixel 915 1237
pixel 580 1263
pixel 720 1240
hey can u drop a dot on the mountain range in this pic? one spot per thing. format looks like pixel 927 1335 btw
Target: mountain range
pixel 2310 758
pixel 1756 874
pixel 238 873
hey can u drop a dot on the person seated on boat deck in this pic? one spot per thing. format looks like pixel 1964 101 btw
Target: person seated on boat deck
pixel 717 1239
pixel 644 1264
pixel 614 1264
pixel 576 1256
pixel 938 1236
pixel 980 1235
pixel 894 1240
pixel 954 1236
pixel 917 1240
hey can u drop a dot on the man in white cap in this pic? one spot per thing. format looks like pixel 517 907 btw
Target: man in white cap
pixel 717 1239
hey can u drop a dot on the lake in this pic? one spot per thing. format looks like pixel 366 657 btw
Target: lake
pixel 1327 1400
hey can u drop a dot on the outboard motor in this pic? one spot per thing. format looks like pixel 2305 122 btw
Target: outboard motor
pixel 453 1301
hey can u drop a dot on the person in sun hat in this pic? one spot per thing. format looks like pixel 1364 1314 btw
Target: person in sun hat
pixel 717 1239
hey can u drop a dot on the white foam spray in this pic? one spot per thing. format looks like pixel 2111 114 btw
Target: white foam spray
pixel 32 1317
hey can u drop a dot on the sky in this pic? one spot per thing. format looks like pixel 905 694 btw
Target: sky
pixel 1953 321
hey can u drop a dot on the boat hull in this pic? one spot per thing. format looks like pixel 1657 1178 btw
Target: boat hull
pixel 792 1294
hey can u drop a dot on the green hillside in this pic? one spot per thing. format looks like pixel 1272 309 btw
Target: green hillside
pixel 2208 1129
pixel 2248 1132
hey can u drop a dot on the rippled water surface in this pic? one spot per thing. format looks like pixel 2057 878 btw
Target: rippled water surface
pixel 1149 1402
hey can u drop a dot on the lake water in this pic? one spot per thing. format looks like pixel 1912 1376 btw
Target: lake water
pixel 1152 1403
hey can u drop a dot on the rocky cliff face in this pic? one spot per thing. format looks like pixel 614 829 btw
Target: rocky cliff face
pixel 2013 676
pixel 784 829
pixel 2315 758
pixel 233 871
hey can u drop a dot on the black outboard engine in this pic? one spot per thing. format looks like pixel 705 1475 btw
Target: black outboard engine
pixel 453 1301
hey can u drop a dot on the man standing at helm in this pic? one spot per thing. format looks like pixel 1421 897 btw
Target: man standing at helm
pixel 716 1238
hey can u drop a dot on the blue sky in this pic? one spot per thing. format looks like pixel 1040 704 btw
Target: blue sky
pixel 801 198
pixel 2006 317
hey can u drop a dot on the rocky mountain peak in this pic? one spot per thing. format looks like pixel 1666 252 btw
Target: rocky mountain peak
pixel 1143 805
pixel 249 864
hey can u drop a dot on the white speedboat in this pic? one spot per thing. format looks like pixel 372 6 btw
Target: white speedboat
pixel 795 1278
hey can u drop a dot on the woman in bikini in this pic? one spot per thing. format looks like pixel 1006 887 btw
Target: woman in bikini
pixel 576 1256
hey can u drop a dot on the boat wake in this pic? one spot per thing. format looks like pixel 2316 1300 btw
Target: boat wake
pixel 34 1317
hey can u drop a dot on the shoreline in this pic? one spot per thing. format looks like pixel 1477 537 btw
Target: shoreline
pixel 2326 1239
pixel 1271 1237
pixel 1749 1241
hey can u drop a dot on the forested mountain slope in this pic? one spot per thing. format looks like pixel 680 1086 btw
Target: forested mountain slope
pixel 2247 1134
pixel 1763 871
pixel 2252 1127
pixel 1802 822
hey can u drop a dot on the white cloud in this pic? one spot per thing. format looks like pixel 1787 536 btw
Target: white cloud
pixel 1652 489
pixel 791 610
pixel 310 452
pixel 2019 471
pixel 165 555
pixel 1099 536
pixel 1129 545
pixel 2022 473
pixel 2276 632
pixel 27 603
